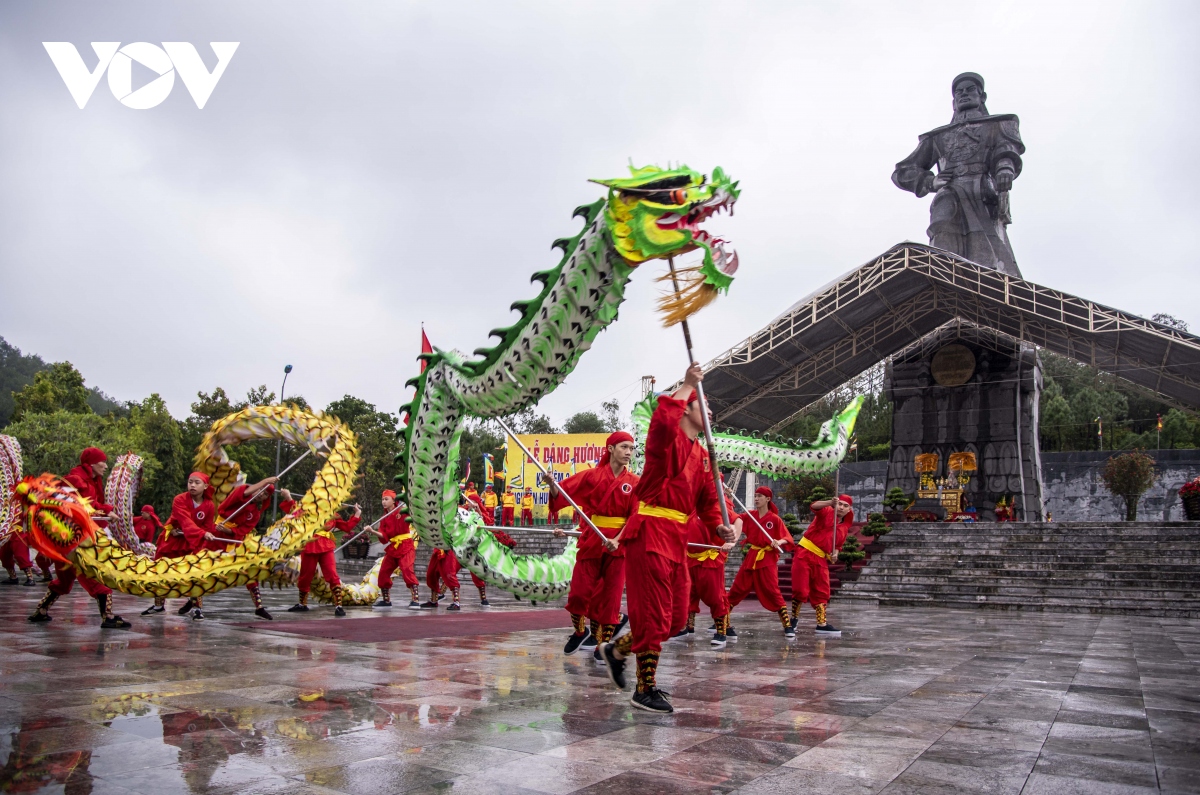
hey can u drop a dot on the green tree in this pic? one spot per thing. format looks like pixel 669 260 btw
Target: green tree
pixel 1129 476
pixel 585 422
pixel 52 442
pixel 157 434
pixel 611 413
pixel 377 449
pixel 57 388
pixel 808 489
pixel 16 372
pixel 479 437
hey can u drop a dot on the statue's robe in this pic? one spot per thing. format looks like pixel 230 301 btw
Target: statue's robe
pixel 968 216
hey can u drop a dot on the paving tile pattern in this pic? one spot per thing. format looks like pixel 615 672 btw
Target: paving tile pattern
pixel 910 700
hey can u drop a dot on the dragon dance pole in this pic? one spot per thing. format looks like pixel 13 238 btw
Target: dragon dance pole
pixel 708 436
pixel 290 466
pixel 579 511
pixel 365 529
pixel 754 518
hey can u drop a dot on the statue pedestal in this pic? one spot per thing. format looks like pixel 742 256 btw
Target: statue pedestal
pixel 966 389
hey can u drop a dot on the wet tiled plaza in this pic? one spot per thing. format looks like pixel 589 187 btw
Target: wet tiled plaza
pixel 910 700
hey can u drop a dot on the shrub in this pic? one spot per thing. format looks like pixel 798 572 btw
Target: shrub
pixel 896 499
pixel 851 551
pixel 876 526
pixel 1128 476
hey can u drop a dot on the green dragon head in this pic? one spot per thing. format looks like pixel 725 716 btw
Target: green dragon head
pixel 656 213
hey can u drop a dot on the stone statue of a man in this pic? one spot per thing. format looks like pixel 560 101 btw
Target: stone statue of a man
pixel 978 156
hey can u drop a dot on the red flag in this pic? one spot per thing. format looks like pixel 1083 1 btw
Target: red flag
pixel 425 348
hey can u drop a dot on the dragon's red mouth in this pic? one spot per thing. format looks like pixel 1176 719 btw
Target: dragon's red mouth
pixel 725 259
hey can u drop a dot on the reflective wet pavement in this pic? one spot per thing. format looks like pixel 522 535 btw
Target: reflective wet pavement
pixel 909 701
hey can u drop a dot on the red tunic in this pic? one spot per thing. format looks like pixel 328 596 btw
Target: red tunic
pixel 91 486
pixel 246 519
pixel 607 499
pixel 678 478
pixel 194 521
pixel 697 533
pixel 146 528
pixel 821 530
pixel 761 553
pixel 394 528
pixel 323 538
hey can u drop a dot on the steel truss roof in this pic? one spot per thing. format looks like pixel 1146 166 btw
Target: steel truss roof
pixel 880 308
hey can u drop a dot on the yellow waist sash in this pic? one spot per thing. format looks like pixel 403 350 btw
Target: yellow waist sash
pixel 662 513
pixel 323 533
pixel 398 540
pixel 762 551
pixel 705 554
pixel 609 522
pixel 813 548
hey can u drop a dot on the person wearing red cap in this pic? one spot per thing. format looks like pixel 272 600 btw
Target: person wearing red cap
pixel 527 508
pixel 677 481
pixel 188 530
pixel 706 570
pixel 818 548
pixel 242 510
pixel 319 552
pixel 766 538
pixel 508 507
pixel 88 480
pixel 400 551
pixel 490 502
pixel 606 493
pixel 147 525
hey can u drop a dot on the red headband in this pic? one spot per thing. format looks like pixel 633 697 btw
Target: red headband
pixel 846 499
pixel 389 493
pixel 618 437
pixel 770 495
pixel 92 455
pixel 692 398
pixel 208 489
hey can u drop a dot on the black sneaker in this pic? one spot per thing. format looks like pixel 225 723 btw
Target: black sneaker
pixel 614 667
pixel 484 602
pixel 712 630
pixel 795 621
pixel 598 657
pixel 187 607
pixel 298 608
pixel 153 610
pixel 28 581
pixel 575 642
pixel 454 606
pixel 789 632
pixel 385 603
pixel 620 625
pixel 430 605
pixel 40 618
pixel 691 630
pixel 11 581
pixel 262 613
pixel 339 611
pixel 415 605
pixel 828 630
pixel 718 641
pixel 731 635
pixel 116 622
pixel 652 700
pixel 589 643
pixel 683 633
pixel 197 615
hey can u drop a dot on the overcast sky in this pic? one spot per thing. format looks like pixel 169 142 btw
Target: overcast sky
pixel 363 167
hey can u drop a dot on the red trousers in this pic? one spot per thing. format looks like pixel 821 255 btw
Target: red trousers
pixel 65 580
pixel 810 578
pixel 308 567
pixel 596 586
pixel 15 551
pixel 552 517
pixel 708 585
pixel 444 570
pixel 489 515
pixel 506 517
pixel 764 581
pixel 402 561
pixel 657 595
pixel 526 517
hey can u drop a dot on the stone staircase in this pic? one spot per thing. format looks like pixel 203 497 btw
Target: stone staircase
pixel 1144 568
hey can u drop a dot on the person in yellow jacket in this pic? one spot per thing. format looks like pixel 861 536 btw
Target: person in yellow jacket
pixel 527 508
pixel 508 508
pixel 490 501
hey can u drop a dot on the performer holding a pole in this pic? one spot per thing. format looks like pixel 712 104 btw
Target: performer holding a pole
pixel 605 492
pixel 189 529
pixel 319 552
pixel 818 548
pixel 400 552
pixel 678 480
pixel 243 509
pixel 766 538
pixel 706 569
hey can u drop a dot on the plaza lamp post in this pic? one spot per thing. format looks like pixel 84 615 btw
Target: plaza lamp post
pixel 287 369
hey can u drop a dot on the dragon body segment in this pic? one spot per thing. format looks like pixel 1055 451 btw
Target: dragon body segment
pixel 58 523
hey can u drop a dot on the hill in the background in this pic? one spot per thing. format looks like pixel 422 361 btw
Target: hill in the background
pixel 17 370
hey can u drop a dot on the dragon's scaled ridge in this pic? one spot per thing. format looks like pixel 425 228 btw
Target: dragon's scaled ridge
pixel 58 522
pixel 10 475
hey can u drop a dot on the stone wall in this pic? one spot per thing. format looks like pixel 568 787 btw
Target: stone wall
pixel 1071 482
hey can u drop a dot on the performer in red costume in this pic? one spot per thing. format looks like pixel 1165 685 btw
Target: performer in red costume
pixel 508 541
pixel 606 493
pixel 676 482
pixel 147 525
pixel 400 552
pixel 188 531
pixel 766 539
pixel 15 555
pixel 243 509
pixel 818 548
pixel 88 480
pixel 319 552
pixel 706 570
pixel 442 574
